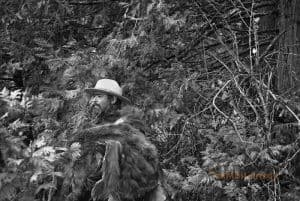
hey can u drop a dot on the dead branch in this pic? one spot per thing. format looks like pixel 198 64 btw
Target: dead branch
pixel 88 3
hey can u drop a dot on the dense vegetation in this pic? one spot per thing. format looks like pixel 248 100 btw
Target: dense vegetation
pixel 205 72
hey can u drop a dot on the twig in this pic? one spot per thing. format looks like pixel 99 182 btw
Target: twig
pixel 264 104
pixel 221 62
pixel 183 129
pixel 287 162
pixel 271 45
pixel 293 156
pixel 237 85
pixel 250 38
pixel 215 97
pixel 88 3
pixel 226 116
pixel 281 101
pixel 135 18
pixel 247 99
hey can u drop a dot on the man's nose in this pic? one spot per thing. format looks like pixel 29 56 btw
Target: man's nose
pixel 96 100
pixel 93 100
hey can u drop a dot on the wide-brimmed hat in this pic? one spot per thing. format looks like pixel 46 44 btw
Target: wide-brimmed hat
pixel 107 86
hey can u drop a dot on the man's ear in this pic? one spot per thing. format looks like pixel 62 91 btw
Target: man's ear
pixel 113 100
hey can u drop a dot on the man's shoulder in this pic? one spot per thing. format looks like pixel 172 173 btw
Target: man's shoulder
pixel 131 112
pixel 133 116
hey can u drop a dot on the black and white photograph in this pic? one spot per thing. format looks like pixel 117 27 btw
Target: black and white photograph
pixel 149 100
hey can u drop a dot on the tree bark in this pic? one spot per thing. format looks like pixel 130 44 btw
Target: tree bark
pixel 288 70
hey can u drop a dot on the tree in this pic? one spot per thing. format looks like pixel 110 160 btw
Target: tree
pixel 289 46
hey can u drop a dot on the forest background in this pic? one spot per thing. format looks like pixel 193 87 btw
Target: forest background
pixel 218 82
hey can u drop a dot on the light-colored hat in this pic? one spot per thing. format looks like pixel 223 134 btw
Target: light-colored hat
pixel 107 86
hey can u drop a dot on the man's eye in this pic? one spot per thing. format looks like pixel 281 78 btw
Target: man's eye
pixel 71 85
pixel 96 98
pixel 93 98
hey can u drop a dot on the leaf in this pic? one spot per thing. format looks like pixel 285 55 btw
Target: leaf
pixel 59 174
pixel 16 94
pixel 17 125
pixel 47 152
pixel 175 120
pixel 34 177
pixel 194 181
pixel 170 21
pixel 54 64
pixel 4 116
pixel 61 149
pixel 14 162
pixel 27 195
pixel 276 150
pixel 158 194
pixel 14 66
pixel 132 41
pixel 4 93
pixel 39 142
pixel 71 43
pixel 253 155
pixel 44 55
pixel 7 192
pixel 224 96
pixel 46 186
pixel 19 16
pixel 70 94
pixel 75 151
pixel 218 184
pixel 266 157
pixel 188 160
pixel 173 177
pixel 75 146
pixel 2 176
pixel 7 177
pixel 150 7
pixel 42 42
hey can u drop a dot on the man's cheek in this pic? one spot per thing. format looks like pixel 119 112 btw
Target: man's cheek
pixel 94 110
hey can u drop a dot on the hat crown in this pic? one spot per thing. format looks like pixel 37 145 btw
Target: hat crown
pixel 109 85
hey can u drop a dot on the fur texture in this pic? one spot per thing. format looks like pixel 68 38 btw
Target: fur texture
pixel 130 168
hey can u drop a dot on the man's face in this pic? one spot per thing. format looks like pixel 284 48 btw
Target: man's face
pixel 99 104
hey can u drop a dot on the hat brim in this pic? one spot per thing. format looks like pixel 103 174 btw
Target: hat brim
pixel 93 92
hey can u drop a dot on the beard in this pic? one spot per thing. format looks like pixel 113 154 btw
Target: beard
pixel 95 112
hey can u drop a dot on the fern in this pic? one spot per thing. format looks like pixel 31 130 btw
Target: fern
pixel 7 192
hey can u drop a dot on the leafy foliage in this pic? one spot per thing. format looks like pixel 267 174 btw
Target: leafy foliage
pixel 202 71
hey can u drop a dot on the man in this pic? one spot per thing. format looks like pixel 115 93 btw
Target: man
pixel 117 162
pixel 105 99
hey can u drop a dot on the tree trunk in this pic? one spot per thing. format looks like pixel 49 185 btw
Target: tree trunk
pixel 289 46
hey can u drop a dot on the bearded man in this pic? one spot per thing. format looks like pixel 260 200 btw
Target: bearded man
pixel 117 162
pixel 105 99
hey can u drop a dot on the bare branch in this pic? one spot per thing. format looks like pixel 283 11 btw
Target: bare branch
pixel 271 45
pixel 88 3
